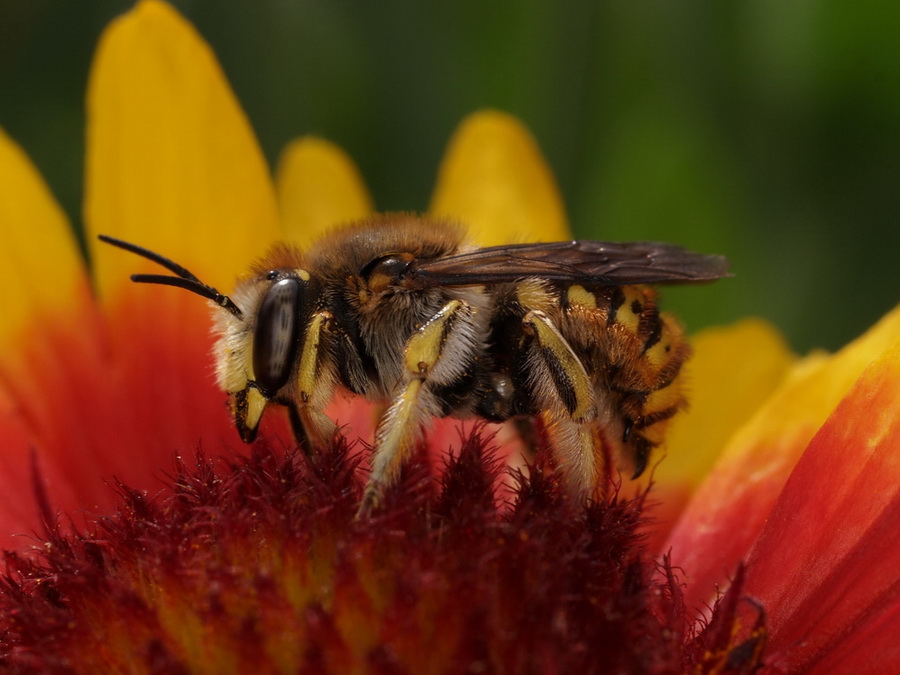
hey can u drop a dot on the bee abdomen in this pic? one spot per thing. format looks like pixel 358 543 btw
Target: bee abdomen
pixel 637 313
pixel 650 326
pixel 635 354
pixel 664 398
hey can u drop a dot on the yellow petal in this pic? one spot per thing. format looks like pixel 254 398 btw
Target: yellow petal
pixel 49 338
pixel 41 269
pixel 732 372
pixel 494 179
pixel 319 186
pixel 748 478
pixel 783 427
pixel 172 163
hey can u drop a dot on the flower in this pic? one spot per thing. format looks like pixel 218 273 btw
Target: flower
pixel 802 492
pixel 780 489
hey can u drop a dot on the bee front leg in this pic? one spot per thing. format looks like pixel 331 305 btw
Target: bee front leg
pixel 436 354
pixel 315 384
pixel 562 389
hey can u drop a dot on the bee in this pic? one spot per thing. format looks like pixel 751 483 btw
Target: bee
pixel 404 310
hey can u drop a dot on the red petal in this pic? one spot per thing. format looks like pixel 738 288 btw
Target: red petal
pixel 826 564
pixel 726 515
pixel 92 400
pixel 872 648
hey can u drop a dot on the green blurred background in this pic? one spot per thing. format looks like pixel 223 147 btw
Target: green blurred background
pixel 768 130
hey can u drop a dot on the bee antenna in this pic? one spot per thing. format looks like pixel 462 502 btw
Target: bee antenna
pixel 193 286
pixel 185 278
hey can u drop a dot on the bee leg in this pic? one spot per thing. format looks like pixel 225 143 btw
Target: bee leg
pixel 315 384
pixel 527 432
pixel 581 455
pixel 436 354
pixel 298 429
pixel 248 406
pixel 563 390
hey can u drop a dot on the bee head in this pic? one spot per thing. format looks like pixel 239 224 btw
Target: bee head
pixel 256 357
pixel 255 351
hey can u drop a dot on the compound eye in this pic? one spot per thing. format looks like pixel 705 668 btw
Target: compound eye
pixel 386 270
pixel 275 339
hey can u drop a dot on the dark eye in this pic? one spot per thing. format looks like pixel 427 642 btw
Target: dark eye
pixel 386 270
pixel 275 339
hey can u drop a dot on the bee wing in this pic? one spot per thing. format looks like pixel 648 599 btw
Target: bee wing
pixel 593 262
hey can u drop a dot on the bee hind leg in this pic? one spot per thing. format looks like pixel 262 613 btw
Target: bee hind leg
pixel 565 394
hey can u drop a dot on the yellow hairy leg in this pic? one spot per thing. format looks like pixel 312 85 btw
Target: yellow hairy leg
pixel 561 381
pixel 401 425
pixel 315 388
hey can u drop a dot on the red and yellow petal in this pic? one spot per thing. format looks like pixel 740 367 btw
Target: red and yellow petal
pixel 494 179
pixel 825 565
pixel 172 164
pixel 49 345
pixel 731 373
pixel 726 515
pixel 319 187
pixel 40 268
